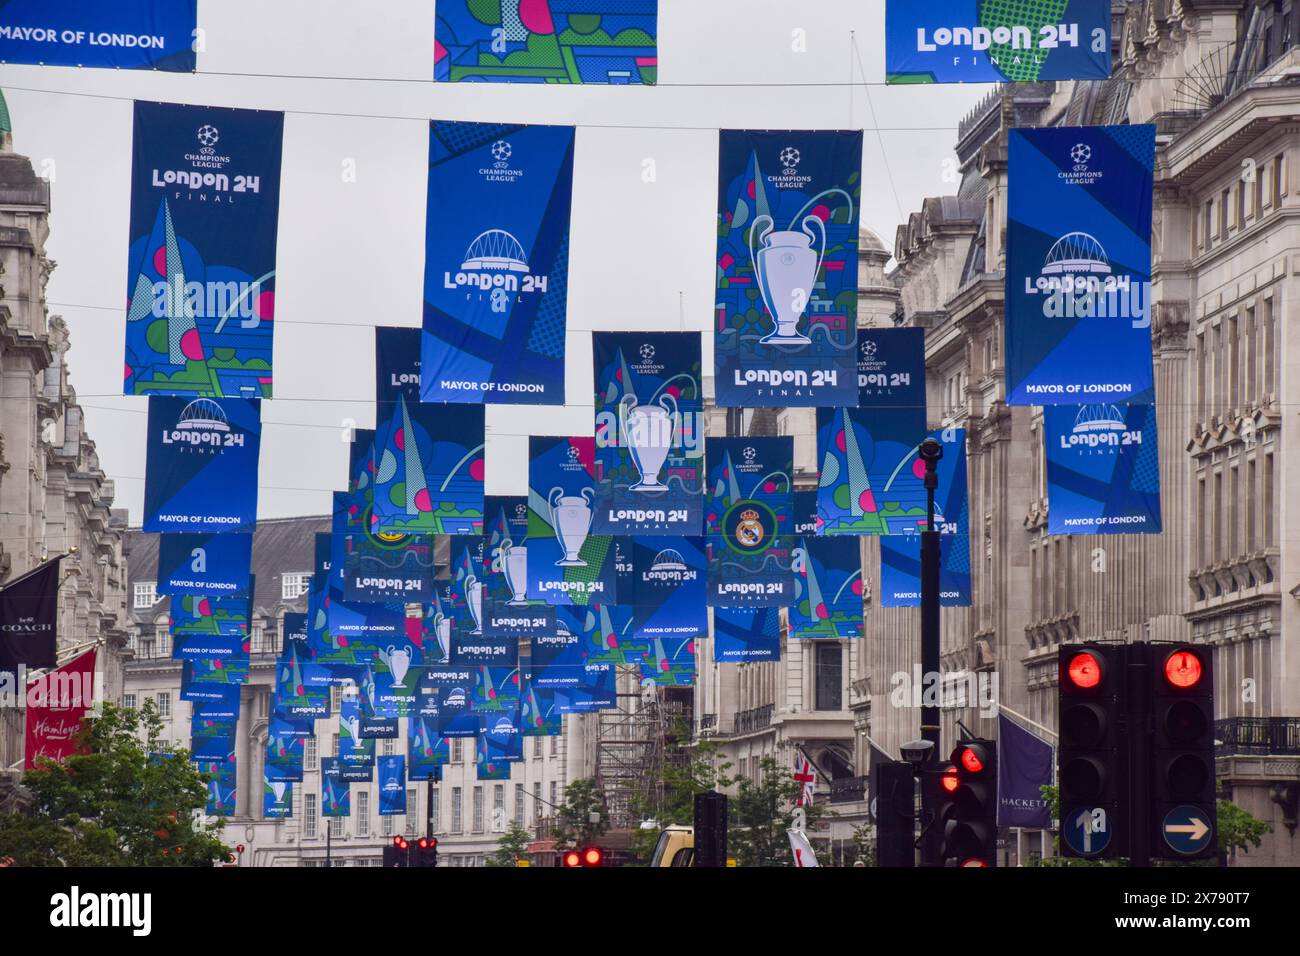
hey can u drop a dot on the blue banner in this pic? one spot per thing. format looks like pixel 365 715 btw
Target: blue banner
pixel 356 754
pixel 392 786
pixel 200 469
pixel 606 631
pixel 353 510
pixel 597 689
pixel 805 513
pixel 571 41
pixel 828 588
pixel 277 799
pixel 649 433
pixel 669 663
pixel 210 627
pixel 500 744
pixel 213 678
pixel 496 263
pixel 539 714
pixel 566 563
pixel 426 749
pixel 748 516
pixel 1078 274
pixel 891 368
pixel 669 590
pixel 362 630
pixel 284 759
pixel 785 330
pixel 469 650
pixel 871 476
pixel 123 35
pixel 1103 469
pixel 451 688
pixel 1025 765
pixel 397 367
pixel 336 793
pixel 507 609
pixel 205 205
pixel 204 563
pixel 992 41
pixel 745 634
pixel 901 552
pixel 495 689
pixel 222 782
pixel 376 571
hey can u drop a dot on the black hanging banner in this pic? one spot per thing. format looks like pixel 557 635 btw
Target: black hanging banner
pixel 29 607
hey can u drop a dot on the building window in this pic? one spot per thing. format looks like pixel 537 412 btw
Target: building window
pixel 363 813
pixel 830 675
pixel 164 704
pixel 336 745
pixel 537 747
pixel 128 701
pixel 387 825
pixel 519 804
pixel 456 748
pixel 294 585
pixel 1277 181
pixel 309 754
pixel 336 827
pixel 335 693
pixel 309 815
pixel 455 809
pixel 259 640
pixel 387 746
pixel 1223 215
pixel 412 811
pixel 744 767
pixel 554 798
pixel 499 807
pixel 146 594
pixel 435 810
pixel 537 802
pixel 478 810
pixel 555 744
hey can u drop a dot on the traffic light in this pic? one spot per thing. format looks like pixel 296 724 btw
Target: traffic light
pixel 571 858
pixel 895 811
pixel 426 852
pixel 398 854
pixel 968 805
pixel 587 856
pixel 1092 762
pixel 710 829
pixel 1182 795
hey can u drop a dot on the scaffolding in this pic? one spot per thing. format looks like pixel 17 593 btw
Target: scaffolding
pixel 630 751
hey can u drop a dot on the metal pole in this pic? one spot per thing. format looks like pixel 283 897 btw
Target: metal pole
pixel 931 451
pixel 329 833
pixel 428 808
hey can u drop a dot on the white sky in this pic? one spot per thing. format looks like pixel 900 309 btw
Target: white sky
pixel 351 254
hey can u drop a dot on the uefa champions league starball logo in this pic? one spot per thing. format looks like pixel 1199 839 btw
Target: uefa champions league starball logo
pixel 1080 153
pixel 868 349
pixel 573 453
pixel 501 152
pixel 790 158
pixel 750 454
pixel 208 137
pixel 647 352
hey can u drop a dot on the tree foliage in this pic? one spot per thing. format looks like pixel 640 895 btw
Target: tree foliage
pixel 761 812
pixel 512 847
pixel 574 826
pixel 126 801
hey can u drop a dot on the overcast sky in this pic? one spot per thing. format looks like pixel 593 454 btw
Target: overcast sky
pixel 351 254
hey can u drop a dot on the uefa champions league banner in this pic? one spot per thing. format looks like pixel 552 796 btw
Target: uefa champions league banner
pixel 745 634
pixel 993 41
pixel 500 744
pixel 277 799
pixel 567 564
pixel 397 366
pixel 123 35
pixel 508 611
pixel 1078 309
pixel 539 714
pixel 785 330
pixel 284 759
pixel 871 475
pixel 1103 474
pixel 451 689
pixel 649 433
pixel 669 592
pixel 900 552
pixel 213 678
pixel 496 263
pixel 748 516
pixel 336 794
pixel 353 509
pixel 205 206
pixel 597 689
pixel 426 750
pixel 201 464
pixel 891 368
pixel 210 627
pixel 391 679
pixel 204 563
pixel 527 41
pixel 376 570
pixel 392 786
pixel 606 632
pixel 222 782
pixel 805 513
pixel 364 629
pixel 828 588
pixel 294 626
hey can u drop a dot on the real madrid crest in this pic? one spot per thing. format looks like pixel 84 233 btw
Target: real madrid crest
pixel 749 531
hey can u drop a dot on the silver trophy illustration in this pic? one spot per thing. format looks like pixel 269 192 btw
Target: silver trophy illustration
pixel 787 268
pixel 277 790
pixel 474 592
pixel 571 519
pixel 354 729
pixel 648 431
pixel 398 661
pixel 516 572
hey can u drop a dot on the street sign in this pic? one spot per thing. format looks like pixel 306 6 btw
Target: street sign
pixel 1087 831
pixel 1186 830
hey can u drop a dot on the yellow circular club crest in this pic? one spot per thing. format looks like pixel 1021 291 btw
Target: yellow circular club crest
pixel 749 532
pixel 390 536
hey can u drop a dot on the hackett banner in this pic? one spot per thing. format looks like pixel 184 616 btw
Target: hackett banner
pixel 1103 469
pixel 29 615
pixel 543 41
pixel 123 35
pixel 649 433
pixel 205 206
pixel 204 563
pixel 496 263
pixel 201 461
pixel 785 331
pixel 56 703
pixel 1078 310
pixel 994 41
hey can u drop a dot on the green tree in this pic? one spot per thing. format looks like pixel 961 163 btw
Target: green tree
pixel 126 801
pixel 512 847
pixel 583 818
pixel 761 812
pixel 1238 830
pixel 688 770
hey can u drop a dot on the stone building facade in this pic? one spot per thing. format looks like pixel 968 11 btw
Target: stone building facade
pixel 1221 82
pixel 54 497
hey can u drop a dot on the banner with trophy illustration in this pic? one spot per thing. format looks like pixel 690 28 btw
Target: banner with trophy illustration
pixel 785 318
pixel 375 570
pixel 567 564
pixel 205 208
pixel 1078 264
pixel 588 41
pixel 669 592
pixel 392 785
pixel 748 515
pixel 123 35
pixel 991 41
pixel 871 479
pixel 649 433
pixel 507 609
pixel 742 635
pixel 392 677
pixel 204 563
pixel 1103 474
pixel 428 470
pixel 891 368
pixel 828 588
pixel 900 553
pixel 200 469
pixel 496 263
pixel 336 793
pixel 277 799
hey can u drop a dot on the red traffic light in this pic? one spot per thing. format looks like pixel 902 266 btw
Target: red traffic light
pixel 573 858
pixel 399 842
pixel 971 759
pixel 950 781
pixel 1183 669
pixel 592 856
pixel 1084 670
pixel 424 843
pixel 974 861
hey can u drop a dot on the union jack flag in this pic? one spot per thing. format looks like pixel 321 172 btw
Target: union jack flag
pixel 806 775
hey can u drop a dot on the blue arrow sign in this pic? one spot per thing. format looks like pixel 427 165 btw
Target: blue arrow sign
pixel 1187 830
pixel 1087 831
